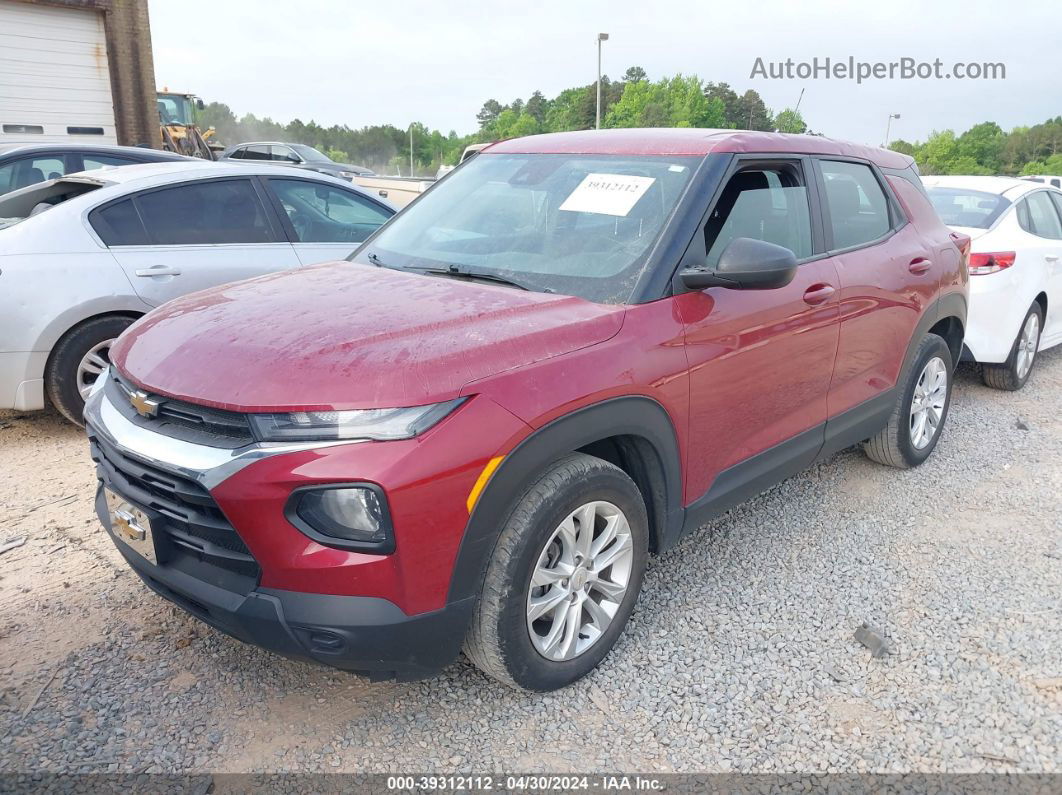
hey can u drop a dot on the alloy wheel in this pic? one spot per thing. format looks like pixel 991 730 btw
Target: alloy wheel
pixel 92 364
pixel 927 402
pixel 579 581
pixel 1027 343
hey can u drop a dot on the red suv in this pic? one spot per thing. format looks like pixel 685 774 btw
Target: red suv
pixel 566 355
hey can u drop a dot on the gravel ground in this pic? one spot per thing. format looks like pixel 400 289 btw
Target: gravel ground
pixel 739 657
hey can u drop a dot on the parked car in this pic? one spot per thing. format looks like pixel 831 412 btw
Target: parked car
pixel 83 256
pixel 398 191
pixel 293 155
pixel 1016 260
pixel 1048 179
pixel 23 164
pixel 569 353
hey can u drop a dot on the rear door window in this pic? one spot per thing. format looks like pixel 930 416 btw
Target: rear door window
pixel 255 153
pixel 201 213
pixel 857 205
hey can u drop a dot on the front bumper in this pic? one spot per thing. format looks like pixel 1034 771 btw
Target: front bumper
pixel 362 634
pixel 230 557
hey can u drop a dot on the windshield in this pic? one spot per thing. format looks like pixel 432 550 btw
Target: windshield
pixel 310 154
pixel 175 109
pixel 574 224
pixel 972 208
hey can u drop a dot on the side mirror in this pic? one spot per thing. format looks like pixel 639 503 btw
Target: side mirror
pixel 199 104
pixel 746 264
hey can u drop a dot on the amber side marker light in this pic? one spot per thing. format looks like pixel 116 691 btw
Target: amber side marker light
pixel 481 481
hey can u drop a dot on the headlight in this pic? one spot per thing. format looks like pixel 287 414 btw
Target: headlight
pixel 348 174
pixel 380 424
pixel 350 517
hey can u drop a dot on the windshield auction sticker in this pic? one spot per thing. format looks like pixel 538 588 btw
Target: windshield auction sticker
pixel 607 194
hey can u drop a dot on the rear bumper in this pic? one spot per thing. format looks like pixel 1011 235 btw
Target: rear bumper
pixel 22 380
pixel 362 634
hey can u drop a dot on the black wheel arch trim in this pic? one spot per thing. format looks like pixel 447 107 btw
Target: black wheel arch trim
pixel 635 416
pixel 950 305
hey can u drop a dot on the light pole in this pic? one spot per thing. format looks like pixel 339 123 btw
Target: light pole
pixel 411 149
pixel 888 126
pixel 600 38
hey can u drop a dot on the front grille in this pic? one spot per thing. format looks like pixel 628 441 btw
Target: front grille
pixel 182 420
pixel 189 520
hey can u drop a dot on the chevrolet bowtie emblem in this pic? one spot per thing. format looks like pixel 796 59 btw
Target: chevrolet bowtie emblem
pixel 145 406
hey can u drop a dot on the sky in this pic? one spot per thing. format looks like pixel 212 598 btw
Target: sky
pixel 362 63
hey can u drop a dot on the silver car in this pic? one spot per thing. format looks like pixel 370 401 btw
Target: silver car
pixel 83 256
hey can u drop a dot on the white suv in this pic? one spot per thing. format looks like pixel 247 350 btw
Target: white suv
pixel 83 256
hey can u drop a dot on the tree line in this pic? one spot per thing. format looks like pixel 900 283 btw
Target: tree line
pixel 986 149
pixel 634 101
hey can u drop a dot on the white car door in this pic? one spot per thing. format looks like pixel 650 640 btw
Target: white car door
pixel 326 222
pixel 181 238
pixel 1039 218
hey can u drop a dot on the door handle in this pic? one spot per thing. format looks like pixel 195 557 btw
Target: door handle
pixel 158 270
pixel 1051 257
pixel 817 294
pixel 919 265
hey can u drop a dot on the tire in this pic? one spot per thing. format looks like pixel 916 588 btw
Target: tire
pixel 532 543
pixel 66 380
pixel 896 444
pixel 1013 373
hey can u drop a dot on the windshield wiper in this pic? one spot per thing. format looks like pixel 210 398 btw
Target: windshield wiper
pixel 456 272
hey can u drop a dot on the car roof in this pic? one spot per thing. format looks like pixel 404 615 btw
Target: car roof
pixel 692 141
pixel 999 185
pixel 8 148
pixel 193 167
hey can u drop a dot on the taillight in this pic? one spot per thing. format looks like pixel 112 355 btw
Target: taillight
pixel 993 262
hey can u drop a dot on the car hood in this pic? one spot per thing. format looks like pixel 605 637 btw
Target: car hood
pixel 343 336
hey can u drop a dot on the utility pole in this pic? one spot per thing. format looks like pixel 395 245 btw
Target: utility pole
pixel 888 128
pixel 600 38
pixel 411 149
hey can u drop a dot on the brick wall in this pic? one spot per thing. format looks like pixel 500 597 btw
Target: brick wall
pixel 128 31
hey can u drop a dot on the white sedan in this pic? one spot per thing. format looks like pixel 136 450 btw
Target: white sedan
pixel 83 256
pixel 1015 269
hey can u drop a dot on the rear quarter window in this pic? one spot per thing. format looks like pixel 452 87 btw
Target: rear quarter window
pixel 119 224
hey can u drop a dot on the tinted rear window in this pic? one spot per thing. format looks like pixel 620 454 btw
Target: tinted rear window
pixel 972 208
pixel 205 213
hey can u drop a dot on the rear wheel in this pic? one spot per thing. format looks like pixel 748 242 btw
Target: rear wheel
pixel 77 361
pixel 1013 373
pixel 564 576
pixel 920 411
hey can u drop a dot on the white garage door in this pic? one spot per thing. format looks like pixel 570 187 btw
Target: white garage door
pixel 54 80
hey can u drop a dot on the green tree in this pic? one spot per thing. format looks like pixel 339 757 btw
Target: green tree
pixel 938 152
pixel 537 107
pixel 983 144
pixel 488 113
pixel 634 74
pixel 725 94
pixel 790 121
pixel 751 113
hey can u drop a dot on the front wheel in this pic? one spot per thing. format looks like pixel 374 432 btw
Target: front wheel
pixel 564 576
pixel 920 411
pixel 1013 373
